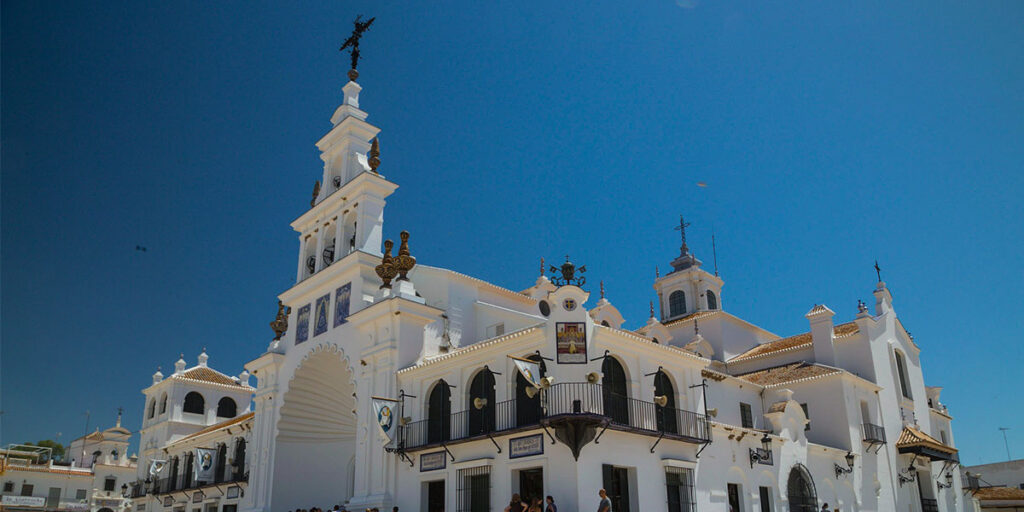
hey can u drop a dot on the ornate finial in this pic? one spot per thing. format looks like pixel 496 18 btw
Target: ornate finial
pixel 657 273
pixel 652 309
pixel 405 261
pixel 878 271
pixel 566 274
pixel 696 328
pixel 316 192
pixel 386 270
pixel 681 228
pixel 280 324
pixel 602 288
pixel 120 411
pixel 542 266
pixel 374 155
pixel 353 43
pixel 861 306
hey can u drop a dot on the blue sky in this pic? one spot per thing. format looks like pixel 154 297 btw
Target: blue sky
pixel 829 134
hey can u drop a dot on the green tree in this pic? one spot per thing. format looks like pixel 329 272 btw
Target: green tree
pixel 56 449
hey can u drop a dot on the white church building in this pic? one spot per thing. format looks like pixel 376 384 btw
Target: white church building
pixel 695 410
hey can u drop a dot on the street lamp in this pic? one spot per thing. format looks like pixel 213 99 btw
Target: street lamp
pixel 762 455
pixel 849 465
pixel 124 490
pixel 911 475
pixel 948 484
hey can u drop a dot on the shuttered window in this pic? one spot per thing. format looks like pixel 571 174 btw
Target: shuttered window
pixel 745 416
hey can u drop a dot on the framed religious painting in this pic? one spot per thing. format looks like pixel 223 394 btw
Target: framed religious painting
pixel 571 342
pixel 302 329
pixel 322 305
pixel 341 303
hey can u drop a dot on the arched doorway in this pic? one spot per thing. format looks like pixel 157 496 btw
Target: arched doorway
pixel 613 388
pixel 481 420
pixel 528 410
pixel 316 433
pixel 800 490
pixel 666 416
pixel 439 413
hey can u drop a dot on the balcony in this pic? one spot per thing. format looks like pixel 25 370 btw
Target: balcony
pixel 560 401
pixel 874 434
pixel 182 483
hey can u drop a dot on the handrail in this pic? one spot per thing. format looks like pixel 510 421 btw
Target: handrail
pixel 566 399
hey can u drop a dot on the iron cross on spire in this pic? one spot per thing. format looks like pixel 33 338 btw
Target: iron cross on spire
pixel 878 271
pixel 681 228
pixel 353 42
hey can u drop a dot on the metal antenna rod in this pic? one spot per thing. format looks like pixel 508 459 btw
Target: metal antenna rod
pixel 1006 443
pixel 714 252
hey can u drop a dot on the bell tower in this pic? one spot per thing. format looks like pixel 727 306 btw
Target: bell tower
pixel 688 288
pixel 347 209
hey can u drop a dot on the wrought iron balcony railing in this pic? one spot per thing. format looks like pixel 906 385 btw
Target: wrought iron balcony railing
pixel 874 433
pixel 568 399
pixel 183 483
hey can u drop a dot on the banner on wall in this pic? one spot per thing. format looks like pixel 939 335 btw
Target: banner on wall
pixel 530 370
pixel 385 410
pixel 155 467
pixel 204 464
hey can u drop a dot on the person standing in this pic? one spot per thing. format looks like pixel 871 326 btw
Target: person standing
pixel 606 504
pixel 551 505
pixel 516 505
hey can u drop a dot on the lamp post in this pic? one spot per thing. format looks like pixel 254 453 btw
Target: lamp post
pixel 762 455
pixel 840 471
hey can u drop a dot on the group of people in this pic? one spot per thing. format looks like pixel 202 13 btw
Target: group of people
pixel 338 508
pixel 532 505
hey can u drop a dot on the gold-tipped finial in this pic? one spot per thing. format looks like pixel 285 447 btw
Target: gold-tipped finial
pixel 602 288
pixel 386 270
pixel 405 261
pixel 374 155
pixel 316 192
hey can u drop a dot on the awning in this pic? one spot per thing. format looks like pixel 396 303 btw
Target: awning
pixel 915 442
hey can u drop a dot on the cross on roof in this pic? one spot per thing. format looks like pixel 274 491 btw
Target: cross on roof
pixel 681 228
pixel 878 271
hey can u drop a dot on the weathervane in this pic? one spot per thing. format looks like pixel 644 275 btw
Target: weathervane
pixel 353 43
pixel 681 228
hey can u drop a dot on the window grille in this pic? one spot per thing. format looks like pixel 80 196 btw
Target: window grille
pixel 681 497
pixel 474 492
pixel 745 416
pixel 712 300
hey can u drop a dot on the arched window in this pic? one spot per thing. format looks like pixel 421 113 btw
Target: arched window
pixel 194 403
pixel 901 369
pixel 666 416
pixel 605 323
pixel 239 460
pixel 439 413
pixel 113 454
pixel 152 409
pixel 800 490
pixel 481 420
pixel 528 410
pixel 163 403
pixel 712 300
pixel 614 393
pixel 222 455
pixel 677 303
pixel 226 408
